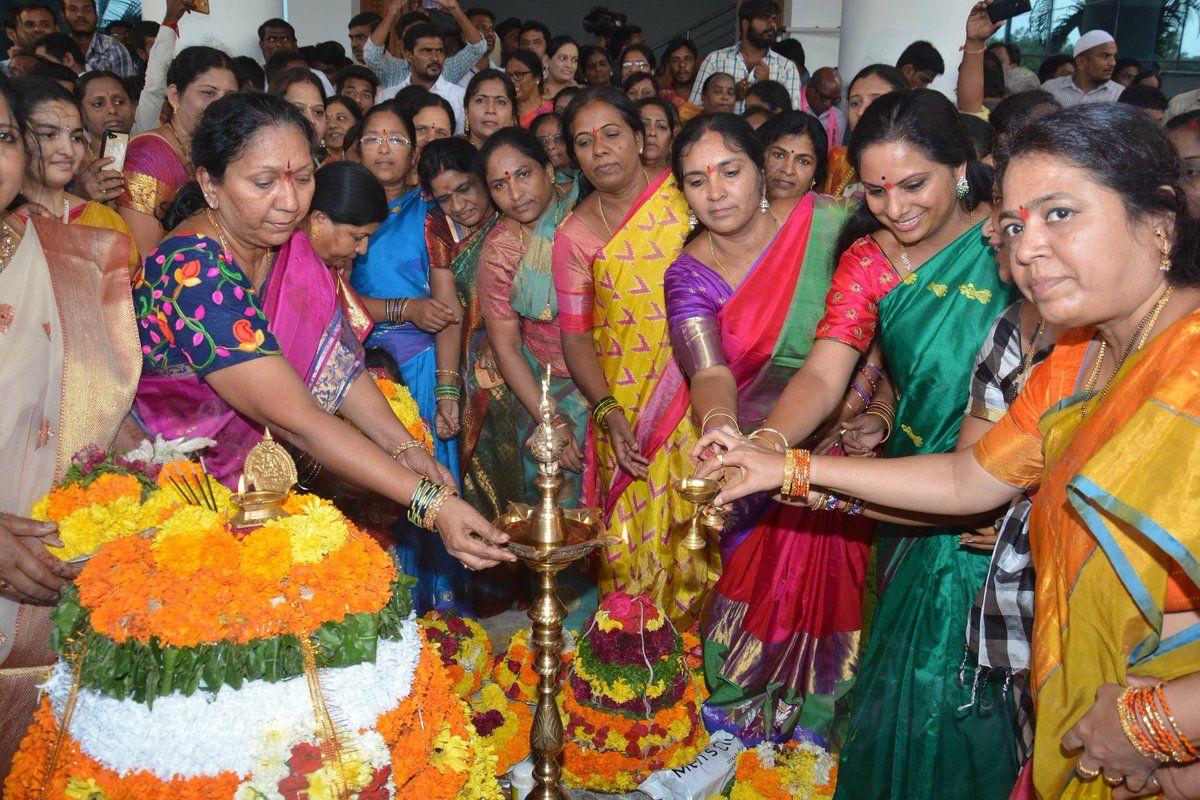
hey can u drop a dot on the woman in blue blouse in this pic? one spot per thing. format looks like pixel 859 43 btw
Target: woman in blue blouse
pixel 396 267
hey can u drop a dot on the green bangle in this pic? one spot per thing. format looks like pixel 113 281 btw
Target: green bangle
pixel 423 496
pixel 603 408
pixel 447 391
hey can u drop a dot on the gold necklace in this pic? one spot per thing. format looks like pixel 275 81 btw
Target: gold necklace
pixel 1027 360
pixel 600 203
pixel 725 273
pixel 717 262
pixel 212 220
pixel 1136 342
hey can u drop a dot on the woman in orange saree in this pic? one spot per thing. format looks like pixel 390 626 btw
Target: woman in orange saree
pixel 609 259
pixel 1105 429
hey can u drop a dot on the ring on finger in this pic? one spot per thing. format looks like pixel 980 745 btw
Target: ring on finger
pixel 1085 773
pixel 5 586
pixel 720 458
pixel 1112 780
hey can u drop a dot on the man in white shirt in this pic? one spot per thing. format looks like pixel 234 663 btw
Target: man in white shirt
pixel 425 52
pixel 751 60
pixel 484 22
pixel 393 71
pixel 1095 59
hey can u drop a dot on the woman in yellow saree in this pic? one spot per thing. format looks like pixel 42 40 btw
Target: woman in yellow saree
pixel 609 259
pixel 1107 431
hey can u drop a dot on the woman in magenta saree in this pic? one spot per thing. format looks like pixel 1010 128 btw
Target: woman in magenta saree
pixel 216 321
pixel 781 628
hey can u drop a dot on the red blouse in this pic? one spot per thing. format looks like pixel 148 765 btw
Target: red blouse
pixel 863 277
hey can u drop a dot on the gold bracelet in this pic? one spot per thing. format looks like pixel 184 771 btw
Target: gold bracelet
pixel 399 449
pixel 888 423
pixel 719 411
pixel 448 373
pixel 429 521
pixel 763 431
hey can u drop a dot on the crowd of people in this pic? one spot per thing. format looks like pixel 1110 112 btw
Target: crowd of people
pixel 940 354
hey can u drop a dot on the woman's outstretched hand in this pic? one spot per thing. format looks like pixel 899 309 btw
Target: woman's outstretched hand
pixel 469 537
pixel 749 466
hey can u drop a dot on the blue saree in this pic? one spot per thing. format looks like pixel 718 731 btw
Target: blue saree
pixel 397 265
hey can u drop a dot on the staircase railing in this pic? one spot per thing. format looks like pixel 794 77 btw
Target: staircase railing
pixel 717 29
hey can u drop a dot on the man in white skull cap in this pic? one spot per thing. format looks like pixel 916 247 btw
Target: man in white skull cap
pixel 1095 59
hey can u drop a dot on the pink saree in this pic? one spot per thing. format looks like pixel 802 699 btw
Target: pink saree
pixel 303 309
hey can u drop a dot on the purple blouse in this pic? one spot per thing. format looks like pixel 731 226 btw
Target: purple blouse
pixel 695 295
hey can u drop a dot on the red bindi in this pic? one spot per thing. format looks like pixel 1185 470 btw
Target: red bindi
pixel 1024 212
pixel 710 170
pixel 287 173
pixel 888 185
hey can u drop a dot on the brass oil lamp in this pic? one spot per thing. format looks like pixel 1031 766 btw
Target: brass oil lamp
pixel 547 538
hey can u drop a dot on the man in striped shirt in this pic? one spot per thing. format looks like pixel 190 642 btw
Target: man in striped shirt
pixel 751 60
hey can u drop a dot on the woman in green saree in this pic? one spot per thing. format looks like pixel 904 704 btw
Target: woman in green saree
pixel 516 287
pixel 916 273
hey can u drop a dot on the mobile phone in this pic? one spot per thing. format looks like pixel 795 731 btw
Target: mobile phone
pixel 1007 9
pixel 114 146
pixel 200 6
pixel 431 5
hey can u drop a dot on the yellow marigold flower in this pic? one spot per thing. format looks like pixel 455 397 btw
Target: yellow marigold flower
pixel 188 520
pixel 317 531
pixel 41 509
pixel 84 531
pixel 450 753
pixel 605 622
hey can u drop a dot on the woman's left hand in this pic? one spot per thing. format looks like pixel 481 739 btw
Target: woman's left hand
pixel 447 420
pixel 863 434
pixel 1104 743
pixel 761 466
pixel 419 460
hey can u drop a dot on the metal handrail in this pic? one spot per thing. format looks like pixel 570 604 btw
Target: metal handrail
pixel 728 11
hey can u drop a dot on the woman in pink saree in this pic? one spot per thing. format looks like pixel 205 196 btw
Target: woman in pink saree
pixel 744 298
pixel 219 363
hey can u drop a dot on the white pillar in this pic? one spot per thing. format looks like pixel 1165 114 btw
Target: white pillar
pixel 877 31
pixel 817 24
pixel 232 26
pixel 323 20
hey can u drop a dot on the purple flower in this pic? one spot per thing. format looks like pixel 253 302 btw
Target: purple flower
pixel 214 272
pixel 179 256
pixel 217 297
pixel 199 313
pixel 179 324
pixel 238 293
pixel 222 352
pixel 197 338
pixel 249 312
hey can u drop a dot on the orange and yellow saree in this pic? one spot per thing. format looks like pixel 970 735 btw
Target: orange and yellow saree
pixel 1113 531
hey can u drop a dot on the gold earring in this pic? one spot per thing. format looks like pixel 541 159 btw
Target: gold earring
pixel 1164 248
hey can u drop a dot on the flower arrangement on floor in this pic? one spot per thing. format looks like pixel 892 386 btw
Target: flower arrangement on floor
pixel 791 771
pixel 198 660
pixel 631 706
pixel 503 723
pixel 512 668
pixel 464 646
pixel 405 408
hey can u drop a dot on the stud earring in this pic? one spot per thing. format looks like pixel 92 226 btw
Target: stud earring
pixel 693 221
pixel 1164 248
pixel 962 188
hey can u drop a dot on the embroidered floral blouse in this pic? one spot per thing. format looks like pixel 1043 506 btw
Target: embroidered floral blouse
pixel 863 278
pixel 197 312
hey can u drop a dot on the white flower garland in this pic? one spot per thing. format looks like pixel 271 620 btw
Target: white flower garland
pixel 207 734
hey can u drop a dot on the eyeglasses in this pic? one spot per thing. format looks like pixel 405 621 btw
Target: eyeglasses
pixel 519 74
pixel 638 65
pixel 376 141
pixel 554 138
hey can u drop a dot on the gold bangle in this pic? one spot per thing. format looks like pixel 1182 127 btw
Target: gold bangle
pixel 449 373
pixel 720 411
pixel 764 431
pixel 429 521
pixel 888 423
pixel 399 449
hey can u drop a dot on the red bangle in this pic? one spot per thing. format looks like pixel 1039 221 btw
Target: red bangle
pixel 173 26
